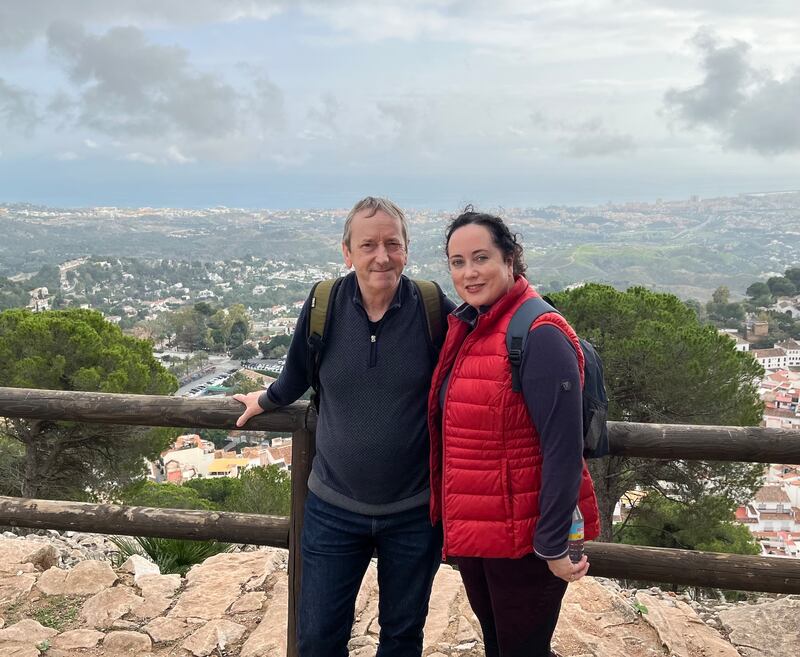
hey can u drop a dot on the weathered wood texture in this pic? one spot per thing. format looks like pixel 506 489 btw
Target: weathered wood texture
pixel 693 568
pixel 303 449
pixel 144 521
pixel 662 441
pixel 148 410
pixel 697 442
pixel 725 571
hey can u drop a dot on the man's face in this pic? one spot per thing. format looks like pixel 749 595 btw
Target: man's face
pixel 377 251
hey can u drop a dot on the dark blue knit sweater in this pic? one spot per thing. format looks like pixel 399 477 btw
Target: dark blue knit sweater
pixel 372 434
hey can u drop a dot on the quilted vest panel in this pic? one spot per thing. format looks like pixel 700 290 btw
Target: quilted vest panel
pixel 486 474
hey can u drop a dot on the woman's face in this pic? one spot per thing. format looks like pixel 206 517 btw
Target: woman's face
pixel 481 275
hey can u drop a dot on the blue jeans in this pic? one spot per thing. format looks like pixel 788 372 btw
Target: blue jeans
pixel 337 546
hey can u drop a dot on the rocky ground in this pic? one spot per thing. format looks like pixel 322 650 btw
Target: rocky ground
pixel 60 597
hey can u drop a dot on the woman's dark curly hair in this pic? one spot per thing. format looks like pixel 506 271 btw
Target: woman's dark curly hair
pixel 502 237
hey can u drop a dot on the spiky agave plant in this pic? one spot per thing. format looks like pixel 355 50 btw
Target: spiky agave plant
pixel 171 555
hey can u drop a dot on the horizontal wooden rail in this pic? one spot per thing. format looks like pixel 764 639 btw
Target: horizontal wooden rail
pixel 661 441
pixel 147 410
pixel 250 528
pixel 726 571
pixel 709 443
pixel 693 568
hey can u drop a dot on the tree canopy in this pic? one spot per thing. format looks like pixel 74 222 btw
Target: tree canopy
pixel 663 366
pixel 203 326
pixel 704 525
pixel 78 350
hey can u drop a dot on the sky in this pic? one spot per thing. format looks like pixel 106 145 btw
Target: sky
pixel 316 103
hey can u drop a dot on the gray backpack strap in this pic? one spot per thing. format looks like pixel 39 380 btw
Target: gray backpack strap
pixel 517 333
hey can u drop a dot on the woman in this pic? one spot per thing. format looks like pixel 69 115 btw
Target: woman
pixel 506 467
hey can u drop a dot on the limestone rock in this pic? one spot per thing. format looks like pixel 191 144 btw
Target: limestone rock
pixel 102 609
pixel 17 649
pixel 269 638
pixel 157 591
pixel 681 631
pixel 768 629
pixel 216 633
pixel 139 566
pixel 156 585
pixel 213 586
pixel 596 621
pixel 361 641
pixel 126 643
pixel 77 639
pixel 18 551
pixel 366 611
pixel 446 586
pixel 27 631
pixel 89 577
pixel 248 602
pixel 465 631
pixel 51 582
pixel 15 587
pixel 151 608
pixel 166 629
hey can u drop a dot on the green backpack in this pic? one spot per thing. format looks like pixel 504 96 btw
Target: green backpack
pixel 324 291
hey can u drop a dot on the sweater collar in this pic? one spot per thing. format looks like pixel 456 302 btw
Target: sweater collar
pixel 397 300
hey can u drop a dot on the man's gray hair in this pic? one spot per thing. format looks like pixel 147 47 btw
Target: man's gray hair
pixel 373 205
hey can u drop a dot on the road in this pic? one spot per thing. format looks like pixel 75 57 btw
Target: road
pixel 221 365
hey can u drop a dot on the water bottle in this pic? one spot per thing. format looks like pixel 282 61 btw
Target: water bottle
pixel 576 536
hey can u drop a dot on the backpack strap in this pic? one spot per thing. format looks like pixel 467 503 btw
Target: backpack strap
pixel 517 333
pixel 321 295
pixel 431 295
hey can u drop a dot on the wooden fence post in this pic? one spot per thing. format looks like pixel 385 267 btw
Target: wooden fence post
pixel 303 448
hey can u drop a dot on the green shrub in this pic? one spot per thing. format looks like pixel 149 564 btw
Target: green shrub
pixel 171 555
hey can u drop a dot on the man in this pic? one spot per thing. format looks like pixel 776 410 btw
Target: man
pixel 369 484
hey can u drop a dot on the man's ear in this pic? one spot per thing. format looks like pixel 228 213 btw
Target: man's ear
pixel 348 261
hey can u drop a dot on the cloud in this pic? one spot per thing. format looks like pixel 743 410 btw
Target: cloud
pixel 139 157
pixel 127 87
pixel 589 138
pixel 174 155
pixel 22 22
pixel 749 108
pixel 67 156
pixel 17 108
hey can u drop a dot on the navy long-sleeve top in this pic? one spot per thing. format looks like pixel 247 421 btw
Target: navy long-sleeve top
pixel 551 386
pixel 372 433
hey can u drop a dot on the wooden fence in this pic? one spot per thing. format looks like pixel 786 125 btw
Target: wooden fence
pixel 728 571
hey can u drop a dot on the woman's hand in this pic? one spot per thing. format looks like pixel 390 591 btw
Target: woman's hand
pixel 568 571
pixel 252 407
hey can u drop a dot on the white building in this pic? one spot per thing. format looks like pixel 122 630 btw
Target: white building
pixel 772 517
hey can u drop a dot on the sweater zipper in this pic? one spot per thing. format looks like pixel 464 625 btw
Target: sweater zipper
pixel 373 339
pixel 444 443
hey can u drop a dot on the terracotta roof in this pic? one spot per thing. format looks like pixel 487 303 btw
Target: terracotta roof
pixel 772 515
pixel 780 412
pixel 771 494
pixel 283 452
pixel 769 353
pixel 788 344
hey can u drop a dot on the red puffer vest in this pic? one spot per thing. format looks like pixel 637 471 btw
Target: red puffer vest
pixel 486 473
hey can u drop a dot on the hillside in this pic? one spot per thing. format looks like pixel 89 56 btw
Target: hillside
pixel 59 596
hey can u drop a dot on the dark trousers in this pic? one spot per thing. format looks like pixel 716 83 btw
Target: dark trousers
pixel 337 546
pixel 517 602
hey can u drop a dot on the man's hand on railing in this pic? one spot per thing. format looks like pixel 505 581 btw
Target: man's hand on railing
pixel 252 407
